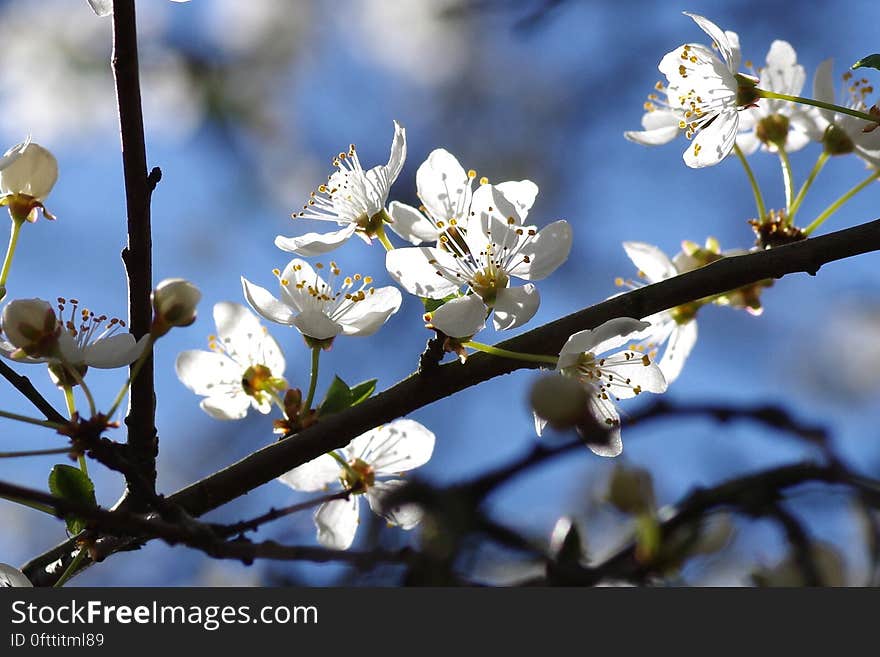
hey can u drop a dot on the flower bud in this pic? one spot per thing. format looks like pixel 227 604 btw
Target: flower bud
pixel 559 400
pixel 28 168
pixel 31 325
pixel 631 490
pixel 174 304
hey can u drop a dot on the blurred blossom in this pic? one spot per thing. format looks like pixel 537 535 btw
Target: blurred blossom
pixel 426 46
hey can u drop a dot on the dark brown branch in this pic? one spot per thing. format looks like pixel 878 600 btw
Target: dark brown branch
pixel 338 430
pixel 801 546
pixel 275 514
pixel 26 388
pixel 137 257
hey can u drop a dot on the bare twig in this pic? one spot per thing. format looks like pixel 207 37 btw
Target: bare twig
pixel 137 254
pixel 26 388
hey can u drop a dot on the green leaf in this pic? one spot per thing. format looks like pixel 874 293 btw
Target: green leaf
pixel 338 398
pixel 433 304
pixel 362 391
pixel 72 484
pixel 871 61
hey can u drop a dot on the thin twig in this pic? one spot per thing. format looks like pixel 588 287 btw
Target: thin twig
pixel 26 388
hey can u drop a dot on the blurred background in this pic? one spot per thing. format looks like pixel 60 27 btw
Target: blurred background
pixel 245 104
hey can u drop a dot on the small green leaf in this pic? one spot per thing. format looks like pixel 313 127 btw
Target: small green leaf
pixel 362 391
pixel 338 398
pixel 871 61
pixel 72 484
pixel 433 304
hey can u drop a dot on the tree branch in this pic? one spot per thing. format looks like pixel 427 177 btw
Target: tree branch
pixel 26 388
pixel 141 420
pixel 338 430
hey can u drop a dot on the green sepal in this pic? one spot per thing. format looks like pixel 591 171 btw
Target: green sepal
pixel 433 304
pixel 362 391
pixel 338 398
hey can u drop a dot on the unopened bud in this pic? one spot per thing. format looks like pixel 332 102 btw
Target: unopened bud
pixel 31 326
pixel 174 304
pixel 560 400
pixel 631 490
pixel 28 168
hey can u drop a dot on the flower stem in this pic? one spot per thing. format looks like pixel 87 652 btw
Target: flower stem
pixel 10 252
pixel 82 384
pixel 383 238
pixel 70 570
pixel 35 452
pixel 756 190
pixel 802 193
pixel 313 377
pixel 135 370
pixel 834 207
pixel 763 93
pixel 71 410
pixel 515 355
pixel 787 179
pixel 30 420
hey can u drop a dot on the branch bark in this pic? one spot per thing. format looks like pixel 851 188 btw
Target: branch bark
pixel 420 390
pixel 141 420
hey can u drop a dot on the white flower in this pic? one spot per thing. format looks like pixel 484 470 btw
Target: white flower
pixel 708 91
pixel 31 326
pixel 243 369
pixel 85 339
pixel 770 122
pixel 397 447
pixel 12 577
pixel 352 197
pixel 174 304
pixel 27 175
pixel 675 328
pixel 842 133
pixel 445 190
pixel 608 379
pixel 484 255
pixel 317 308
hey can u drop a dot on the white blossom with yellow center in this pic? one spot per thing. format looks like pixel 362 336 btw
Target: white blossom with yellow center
pixel 706 89
pixel 351 197
pixel 320 309
pixel 493 248
pixel 842 133
pixel 393 448
pixel 608 379
pixel 242 370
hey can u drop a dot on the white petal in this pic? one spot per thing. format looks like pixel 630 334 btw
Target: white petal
pixel 266 305
pixel 405 517
pixel 630 367
pixel 12 577
pixel 227 407
pixel 823 87
pixel 782 73
pixel 115 351
pixel 337 523
pixel 521 193
pixel 605 337
pixel 202 371
pixel 245 339
pixel 444 186
pixel 546 252
pixel 748 142
pixel 714 142
pixel 411 268
pixel 398 153
pixel 461 317
pixel 367 316
pixel 650 260
pixel 235 321
pixel 603 410
pixel 660 127
pixel 716 34
pixel 102 7
pixel 514 306
pixel 398 446
pixel 302 285
pixel 312 244
pixel 313 476
pixel 411 224
pixel 681 342
pixel 315 324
